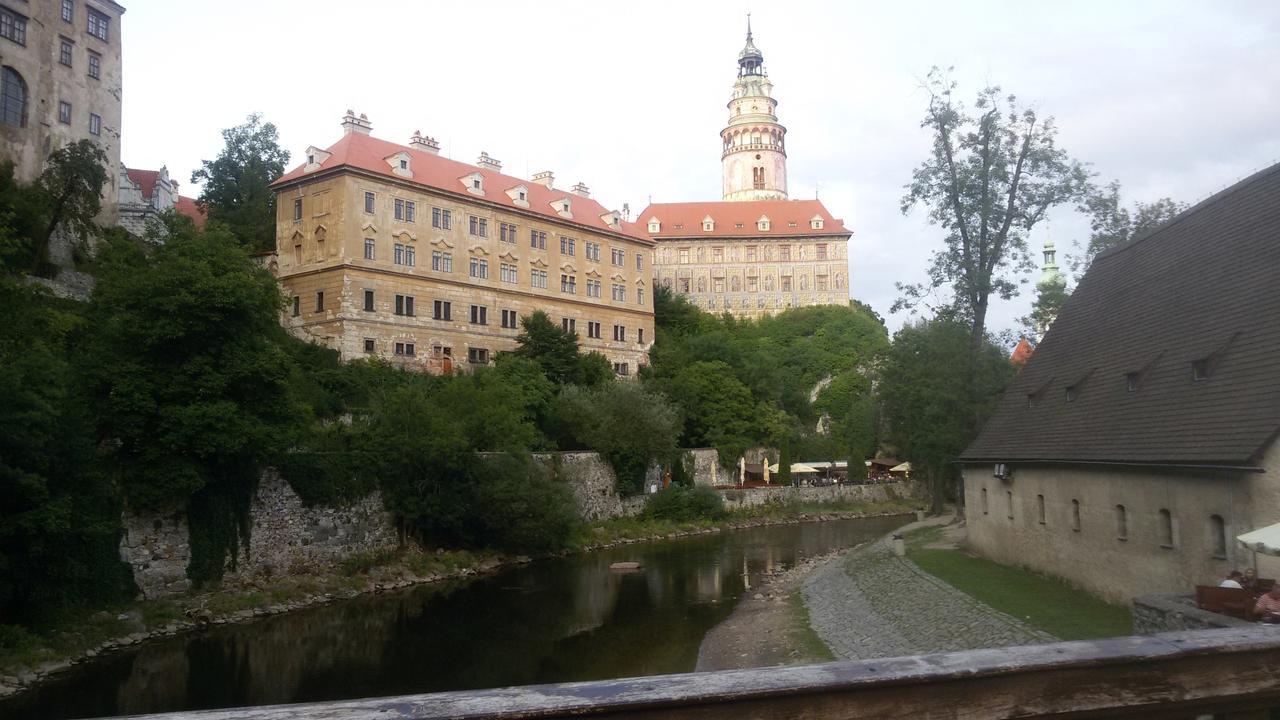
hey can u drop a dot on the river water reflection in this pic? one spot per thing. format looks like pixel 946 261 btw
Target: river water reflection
pixel 556 620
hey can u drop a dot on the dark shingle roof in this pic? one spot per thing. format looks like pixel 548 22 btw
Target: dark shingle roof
pixel 1205 286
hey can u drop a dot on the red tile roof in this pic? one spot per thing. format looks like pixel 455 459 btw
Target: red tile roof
pixel 685 219
pixel 1021 353
pixel 187 206
pixel 145 179
pixel 369 154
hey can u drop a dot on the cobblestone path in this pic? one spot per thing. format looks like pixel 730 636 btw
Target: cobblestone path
pixel 870 603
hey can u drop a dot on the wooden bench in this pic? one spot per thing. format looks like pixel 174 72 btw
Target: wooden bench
pixel 1226 601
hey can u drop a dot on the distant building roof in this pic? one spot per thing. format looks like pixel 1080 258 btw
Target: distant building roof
pixel 187 206
pixel 738 218
pixel 369 154
pixel 1168 352
pixel 146 180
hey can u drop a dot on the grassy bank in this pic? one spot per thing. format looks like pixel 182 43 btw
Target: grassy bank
pixel 803 638
pixel 1042 602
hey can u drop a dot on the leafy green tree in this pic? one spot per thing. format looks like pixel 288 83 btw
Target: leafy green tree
pixel 551 346
pixel 70 192
pixel 926 397
pixel 632 427
pixel 189 382
pixel 847 401
pixel 784 462
pixel 719 410
pixel 235 186
pixel 988 181
pixel 1113 225
pixel 1045 308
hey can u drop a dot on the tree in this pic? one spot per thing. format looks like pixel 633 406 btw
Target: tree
pixel 70 192
pixel 847 402
pixel 988 181
pixel 1050 297
pixel 189 382
pixel 236 185
pixel 1113 225
pixel 931 409
pixel 553 347
pixel 719 410
pixel 631 426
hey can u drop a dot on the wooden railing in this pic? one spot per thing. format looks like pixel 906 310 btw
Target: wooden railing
pixel 1231 674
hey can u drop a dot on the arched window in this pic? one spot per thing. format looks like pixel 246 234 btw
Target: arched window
pixel 1040 508
pixel 985 508
pixel 1166 528
pixel 1008 499
pixel 1218 536
pixel 1122 523
pixel 13 98
pixel 1075 515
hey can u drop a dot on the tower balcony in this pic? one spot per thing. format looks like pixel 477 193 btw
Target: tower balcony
pixel 753 147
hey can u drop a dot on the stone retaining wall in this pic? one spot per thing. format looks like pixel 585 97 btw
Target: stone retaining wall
pixel 755 497
pixel 1166 613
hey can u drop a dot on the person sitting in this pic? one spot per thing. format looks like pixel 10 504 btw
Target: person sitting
pixel 1268 606
pixel 1233 580
pixel 1250 579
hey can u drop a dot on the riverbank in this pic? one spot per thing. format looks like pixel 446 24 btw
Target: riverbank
pixel 27 661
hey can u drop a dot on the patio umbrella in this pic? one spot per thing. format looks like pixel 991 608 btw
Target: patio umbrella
pixel 1263 540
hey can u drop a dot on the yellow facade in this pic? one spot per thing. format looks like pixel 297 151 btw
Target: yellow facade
pixel 321 247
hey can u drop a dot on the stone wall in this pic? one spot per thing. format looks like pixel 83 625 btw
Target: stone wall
pixel 707 469
pixel 755 497
pixel 594 486
pixel 1165 613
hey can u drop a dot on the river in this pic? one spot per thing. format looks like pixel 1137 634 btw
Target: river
pixel 554 620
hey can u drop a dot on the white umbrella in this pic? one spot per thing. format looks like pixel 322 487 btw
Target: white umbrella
pixel 1264 540
pixel 901 467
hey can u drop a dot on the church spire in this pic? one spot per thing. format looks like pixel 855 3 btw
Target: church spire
pixel 750 60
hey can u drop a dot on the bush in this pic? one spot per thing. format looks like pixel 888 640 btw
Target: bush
pixel 523 509
pixel 683 504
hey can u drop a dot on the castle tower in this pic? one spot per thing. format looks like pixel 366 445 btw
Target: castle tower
pixel 754 163
pixel 1051 291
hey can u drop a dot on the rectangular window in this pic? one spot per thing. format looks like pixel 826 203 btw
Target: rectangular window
pixel 478 356
pixel 410 255
pixel 95 65
pixel 369 346
pixel 538 278
pixel 68 10
pixel 593 329
pixel 405 349
pixel 370 249
pixel 399 254
pixel 510 273
pixel 441 261
pixel 479 315
pixel 13 26
pixel 717 254
pixel 479 269
pixel 441 219
pixel 410 211
pixel 95 124
pixel 619 333
pixel 822 251
pixel 297 254
pixel 507 232
pixel 1040 509
pixel 621 369
pixel 1199 370
pixel 319 300
pixel 751 253
pixel 784 252
pixel 369 199
pixel 619 292
pixel 786 283
pixel 639 296
pixel 684 256
pixel 639 261
pixel 404 305
pixel 64 51
pixel 479 226
pixel 64 112
pixel 568 284
pixel 443 310
pixel 297 305
pixel 567 245
pixel 98 24
pixel 717 285
pixel 820 282
pixel 619 257
pixel 592 251
pixel 509 319
pixel 537 239
pixel 753 283
pixel 569 325
pixel 297 209
pixel 368 301
pixel 593 288
pixel 640 335
pixel 399 209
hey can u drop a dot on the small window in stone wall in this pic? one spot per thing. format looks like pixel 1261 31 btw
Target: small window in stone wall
pixel 1040 508
pixel 986 510
pixel 1075 515
pixel 1008 497
pixel 1166 529
pixel 1218 536
pixel 1122 523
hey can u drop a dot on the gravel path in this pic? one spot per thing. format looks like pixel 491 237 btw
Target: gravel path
pixel 870 603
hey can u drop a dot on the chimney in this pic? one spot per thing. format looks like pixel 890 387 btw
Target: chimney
pixel 489 163
pixel 425 144
pixel 582 190
pixel 351 123
pixel 544 178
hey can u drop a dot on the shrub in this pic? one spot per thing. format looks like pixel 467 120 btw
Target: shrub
pixel 683 504
pixel 522 508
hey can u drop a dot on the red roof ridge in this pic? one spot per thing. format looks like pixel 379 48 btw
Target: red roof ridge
pixel 787 218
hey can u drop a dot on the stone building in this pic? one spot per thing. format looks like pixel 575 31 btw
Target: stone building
pixel 1140 437
pixel 394 251
pixel 145 194
pixel 755 252
pixel 60 81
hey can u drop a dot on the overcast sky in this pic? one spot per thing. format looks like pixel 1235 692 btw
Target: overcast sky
pixel 1170 98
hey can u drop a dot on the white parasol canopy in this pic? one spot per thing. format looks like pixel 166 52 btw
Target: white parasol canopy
pixel 1264 540
pixel 902 467
pixel 795 468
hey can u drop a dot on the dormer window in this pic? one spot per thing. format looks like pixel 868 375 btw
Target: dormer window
pixel 1071 394
pixel 1131 382
pixel 654 226
pixel 404 164
pixel 1200 370
pixel 708 224
pixel 815 223
pixel 311 159
pixel 1031 400
pixel 564 207
pixel 762 223
pixel 522 195
pixel 475 183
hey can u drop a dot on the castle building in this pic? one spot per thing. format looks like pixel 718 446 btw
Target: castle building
pixel 1051 282
pixel 145 194
pixel 1140 439
pixel 60 81
pixel 393 251
pixel 755 252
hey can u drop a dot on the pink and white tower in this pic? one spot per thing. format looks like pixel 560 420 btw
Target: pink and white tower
pixel 754 162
